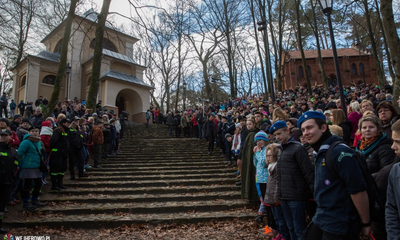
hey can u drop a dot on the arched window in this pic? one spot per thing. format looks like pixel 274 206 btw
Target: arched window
pixel 49 79
pixel 309 70
pixel 23 81
pixel 353 69
pixel 57 48
pixel 301 72
pixel 361 67
pixel 107 44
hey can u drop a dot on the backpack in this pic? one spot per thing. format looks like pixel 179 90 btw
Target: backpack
pixel 376 206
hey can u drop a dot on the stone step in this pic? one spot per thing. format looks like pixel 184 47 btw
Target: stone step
pixel 152 183
pixel 155 177
pixel 166 164
pixel 142 198
pixel 164 172
pixel 160 206
pixel 129 158
pixel 148 190
pixel 96 221
pixel 157 168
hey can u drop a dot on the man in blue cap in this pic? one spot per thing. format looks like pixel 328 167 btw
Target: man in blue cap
pixel 295 179
pixel 335 217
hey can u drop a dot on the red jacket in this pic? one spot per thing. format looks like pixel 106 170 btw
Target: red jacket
pixel 194 122
pixel 46 142
pixel 14 140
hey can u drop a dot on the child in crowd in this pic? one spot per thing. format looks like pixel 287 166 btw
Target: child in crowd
pixel 271 193
pixel 228 138
pixel 261 140
pixel 45 135
pixel 236 144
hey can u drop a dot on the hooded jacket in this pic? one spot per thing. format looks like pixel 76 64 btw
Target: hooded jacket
pixel 29 152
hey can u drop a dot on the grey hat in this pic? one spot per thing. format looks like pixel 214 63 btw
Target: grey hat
pixel 228 135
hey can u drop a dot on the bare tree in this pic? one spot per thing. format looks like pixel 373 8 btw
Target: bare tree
pixel 393 42
pixel 97 55
pixel 63 60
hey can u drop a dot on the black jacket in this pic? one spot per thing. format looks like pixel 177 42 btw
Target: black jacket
pixel 295 172
pixel 14 126
pixel 59 142
pixel 378 155
pixel 75 139
pixel 211 131
pixel 107 135
pixel 347 127
pixel 200 118
pixel 8 163
pixel 36 120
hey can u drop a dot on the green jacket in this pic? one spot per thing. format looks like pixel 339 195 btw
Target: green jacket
pixel 28 155
pixel 249 190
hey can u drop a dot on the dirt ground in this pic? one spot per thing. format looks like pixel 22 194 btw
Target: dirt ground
pixel 235 229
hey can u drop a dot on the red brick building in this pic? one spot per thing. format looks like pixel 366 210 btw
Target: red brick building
pixel 349 61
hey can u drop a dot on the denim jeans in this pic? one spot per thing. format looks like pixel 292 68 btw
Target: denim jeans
pixel 12 112
pixel 280 221
pixel 147 124
pixel 295 216
pixel 200 131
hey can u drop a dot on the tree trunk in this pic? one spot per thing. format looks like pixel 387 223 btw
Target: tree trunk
pixel 320 65
pixel 259 51
pixel 393 41
pixel 63 60
pixel 391 72
pixel 229 46
pixel 303 58
pixel 98 52
pixel 379 71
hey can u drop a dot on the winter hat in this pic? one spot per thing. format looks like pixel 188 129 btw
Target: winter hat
pixel 227 135
pixel 237 125
pixel 261 135
pixel 6 121
pixel 46 124
pixel 17 116
pixel 25 120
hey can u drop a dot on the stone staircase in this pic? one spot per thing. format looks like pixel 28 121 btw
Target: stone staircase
pixel 151 181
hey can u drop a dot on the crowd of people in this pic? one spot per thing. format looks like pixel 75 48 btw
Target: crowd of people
pixel 282 152
pixel 34 149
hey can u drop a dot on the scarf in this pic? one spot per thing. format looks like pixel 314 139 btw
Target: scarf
pixel 321 140
pixel 365 142
pixel 271 166
pixel 235 143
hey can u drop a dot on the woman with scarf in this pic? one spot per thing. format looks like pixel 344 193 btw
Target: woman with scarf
pixel 248 179
pixel 376 147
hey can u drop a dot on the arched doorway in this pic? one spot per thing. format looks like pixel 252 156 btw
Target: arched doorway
pixel 130 100
pixel 332 81
pixel 120 103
